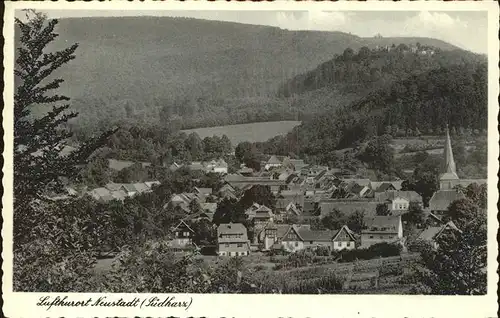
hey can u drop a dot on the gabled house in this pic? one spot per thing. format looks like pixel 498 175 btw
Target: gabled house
pixel 273 162
pixel 381 229
pixel 232 240
pixel 293 238
pixel 203 191
pixel 262 215
pixel 399 200
pixel 182 235
pixel 431 234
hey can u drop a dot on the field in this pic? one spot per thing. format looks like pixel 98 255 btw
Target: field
pixel 253 132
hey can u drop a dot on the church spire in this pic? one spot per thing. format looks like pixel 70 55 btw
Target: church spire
pixel 449 168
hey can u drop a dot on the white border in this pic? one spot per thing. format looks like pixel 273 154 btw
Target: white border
pixel 215 305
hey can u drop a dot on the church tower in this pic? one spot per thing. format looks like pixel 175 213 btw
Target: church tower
pixel 449 176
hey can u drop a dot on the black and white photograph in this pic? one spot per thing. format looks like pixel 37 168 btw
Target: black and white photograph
pixel 252 152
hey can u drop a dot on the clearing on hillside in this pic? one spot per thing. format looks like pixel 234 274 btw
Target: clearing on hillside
pixel 253 132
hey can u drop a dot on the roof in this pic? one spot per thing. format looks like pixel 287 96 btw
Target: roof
pixel 182 223
pixel 411 196
pixel 310 235
pixel 152 183
pixel 205 191
pixel 141 187
pixel 129 187
pixel 363 182
pixel 385 224
pixel 433 232
pixel 348 206
pixel 274 160
pixel 113 186
pixel 231 228
pixel 210 207
pixel 441 199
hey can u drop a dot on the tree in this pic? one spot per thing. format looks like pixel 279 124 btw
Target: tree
pixel 258 194
pixel 356 221
pixel 194 145
pixel 333 220
pixel 415 215
pixel 458 266
pixel 477 194
pixel 382 209
pixel 38 141
pixel 243 150
pixel 462 211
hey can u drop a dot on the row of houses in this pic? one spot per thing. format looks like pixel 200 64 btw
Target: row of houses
pixel 232 238
pixel 120 191
pixel 215 166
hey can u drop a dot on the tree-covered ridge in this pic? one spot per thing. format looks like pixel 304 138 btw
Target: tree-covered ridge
pixel 195 73
pixel 370 69
pixel 421 104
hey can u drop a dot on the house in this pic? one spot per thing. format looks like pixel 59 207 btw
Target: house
pixel 347 206
pixel 295 164
pixel 259 213
pixel 232 240
pixel 129 189
pixel 246 171
pixel 262 215
pixel 227 192
pixel 293 238
pixel 398 202
pixel 218 166
pixel 183 235
pixel 203 191
pixel 390 196
pixel 272 234
pixel 381 229
pixel 441 200
pixel 431 234
pixel 152 184
pixel 273 162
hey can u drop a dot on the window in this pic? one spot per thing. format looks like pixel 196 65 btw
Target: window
pixel 339 244
pixel 237 254
pixel 186 233
pixel 240 245
pixel 381 236
pixel 348 244
pixel 311 242
pixel 371 236
pixel 296 244
pixel 227 244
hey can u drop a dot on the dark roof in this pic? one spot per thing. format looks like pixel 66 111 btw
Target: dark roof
pixel 411 196
pixel 385 224
pixel 441 199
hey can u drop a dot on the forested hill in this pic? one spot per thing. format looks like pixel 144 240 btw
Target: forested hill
pixel 369 69
pixel 423 103
pixel 195 72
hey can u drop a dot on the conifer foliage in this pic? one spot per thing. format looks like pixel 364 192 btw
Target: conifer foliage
pixel 38 140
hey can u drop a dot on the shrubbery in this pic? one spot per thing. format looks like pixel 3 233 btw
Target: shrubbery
pixel 376 250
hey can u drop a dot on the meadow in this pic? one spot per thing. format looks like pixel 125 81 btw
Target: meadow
pixel 253 132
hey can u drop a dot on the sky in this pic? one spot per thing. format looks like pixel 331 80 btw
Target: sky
pixel 465 29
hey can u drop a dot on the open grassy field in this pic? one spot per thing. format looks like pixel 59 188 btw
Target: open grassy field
pixel 252 132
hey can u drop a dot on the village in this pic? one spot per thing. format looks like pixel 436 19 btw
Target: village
pixel 368 212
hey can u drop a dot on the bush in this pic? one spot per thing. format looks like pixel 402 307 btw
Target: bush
pixel 322 251
pixel 376 250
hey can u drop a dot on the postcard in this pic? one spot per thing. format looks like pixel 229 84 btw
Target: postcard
pixel 234 159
